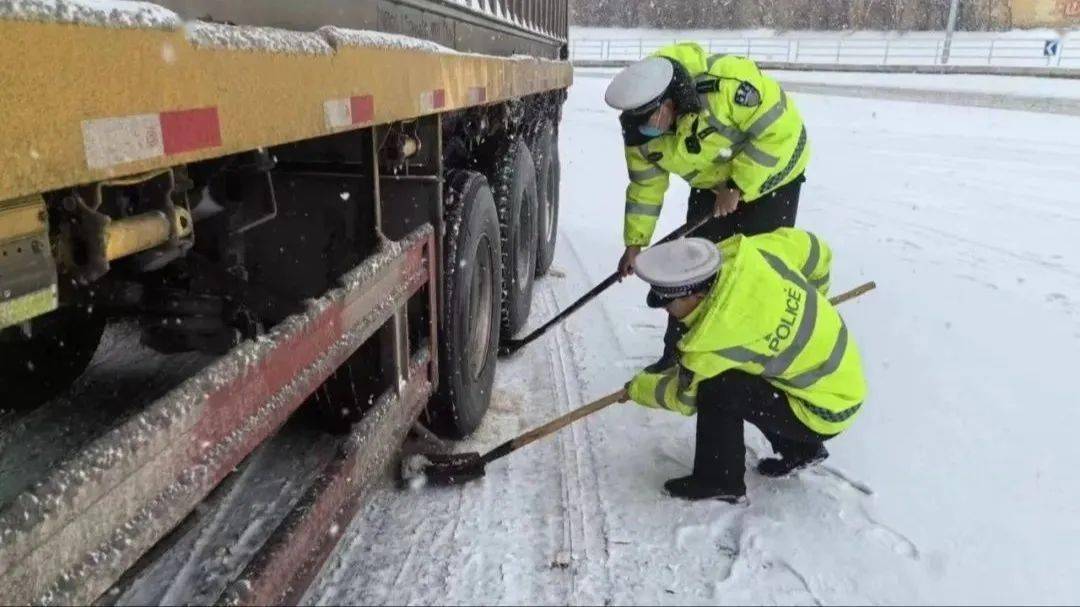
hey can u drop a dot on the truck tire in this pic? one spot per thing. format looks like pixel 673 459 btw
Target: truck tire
pixel 36 369
pixel 545 153
pixel 514 184
pixel 472 271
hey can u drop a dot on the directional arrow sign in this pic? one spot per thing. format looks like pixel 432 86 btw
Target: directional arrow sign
pixel 1050 49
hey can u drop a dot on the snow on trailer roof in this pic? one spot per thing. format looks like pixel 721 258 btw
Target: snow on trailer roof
pixel 102 13
pixel 123 14
pixel 339 37
pixel 325 41
pixel 252 38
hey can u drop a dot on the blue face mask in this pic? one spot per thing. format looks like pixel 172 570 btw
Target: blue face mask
pixel 650 131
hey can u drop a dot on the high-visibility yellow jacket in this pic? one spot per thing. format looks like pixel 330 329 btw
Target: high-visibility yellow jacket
pixel 748 131
pixel 768 315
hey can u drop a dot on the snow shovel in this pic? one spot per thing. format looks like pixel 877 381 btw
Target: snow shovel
pixel 513 345
pixel 458 468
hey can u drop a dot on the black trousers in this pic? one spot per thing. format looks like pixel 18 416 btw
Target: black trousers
pixel 770 212
pixel 773 211
pixel 724 403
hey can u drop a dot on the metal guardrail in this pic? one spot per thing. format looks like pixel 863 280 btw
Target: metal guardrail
pixel 992 51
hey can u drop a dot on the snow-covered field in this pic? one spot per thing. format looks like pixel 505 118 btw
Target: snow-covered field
pixel 958 483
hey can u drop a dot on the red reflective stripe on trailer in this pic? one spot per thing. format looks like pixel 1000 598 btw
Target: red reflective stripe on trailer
pixel 190 130
pixel 477 95
pixel 432 100
pixel 363 109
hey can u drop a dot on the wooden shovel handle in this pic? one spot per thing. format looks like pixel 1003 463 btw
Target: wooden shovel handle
pixel 852 294
pixel 566 420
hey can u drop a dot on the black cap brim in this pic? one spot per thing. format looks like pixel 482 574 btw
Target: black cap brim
pixel 655 300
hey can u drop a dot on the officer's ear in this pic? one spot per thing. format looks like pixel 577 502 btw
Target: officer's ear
pixel 683 90
pixel 684 306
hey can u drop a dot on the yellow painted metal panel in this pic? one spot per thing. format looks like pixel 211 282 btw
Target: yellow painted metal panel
pixel 22 217
pixel 78 73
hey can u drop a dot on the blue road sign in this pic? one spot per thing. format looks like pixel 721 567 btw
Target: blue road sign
pixel 1050 49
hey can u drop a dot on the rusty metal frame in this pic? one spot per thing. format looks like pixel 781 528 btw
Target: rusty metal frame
pixel 293 556
pixel 69 537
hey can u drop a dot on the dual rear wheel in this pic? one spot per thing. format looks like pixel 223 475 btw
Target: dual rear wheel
pixel 500 235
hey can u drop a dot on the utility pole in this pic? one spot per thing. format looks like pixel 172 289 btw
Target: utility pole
pixel 954 9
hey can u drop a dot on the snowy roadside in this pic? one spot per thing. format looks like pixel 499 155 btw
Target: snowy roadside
pixel 1025 86
pixel 966 218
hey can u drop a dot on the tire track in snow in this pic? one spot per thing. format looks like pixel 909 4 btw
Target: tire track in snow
pixel 579 463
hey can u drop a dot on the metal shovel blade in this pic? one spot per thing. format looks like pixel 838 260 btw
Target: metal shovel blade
pixel 452 468
pixel 509 348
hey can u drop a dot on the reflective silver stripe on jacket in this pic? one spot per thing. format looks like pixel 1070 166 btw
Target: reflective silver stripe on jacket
pixel 743 355
pixel 758 155
pixel 769 118
pixel 734 134
pixel 646 174
pixel 742 141
pixel 643 149
pixel 815 256
pixel 806 379
pixel 637 208
pixel 687 399
pixel 661 389
pixel 780 363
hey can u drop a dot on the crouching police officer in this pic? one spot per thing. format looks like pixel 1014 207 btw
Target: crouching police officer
pixel 719 123
pixel 762 344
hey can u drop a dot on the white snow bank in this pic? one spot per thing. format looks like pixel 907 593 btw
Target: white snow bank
pixel 103 13
pixel 1003 85
pixel 339 37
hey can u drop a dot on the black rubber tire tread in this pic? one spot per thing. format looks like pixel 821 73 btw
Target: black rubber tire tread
pixel 471 222
pixel 545 153
pixel 513 181
pixel 36 370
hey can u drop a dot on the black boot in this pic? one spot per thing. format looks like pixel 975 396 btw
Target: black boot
pixel 775 467
pixel 693 489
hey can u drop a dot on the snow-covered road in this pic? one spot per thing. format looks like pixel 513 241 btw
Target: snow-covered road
pixel 957 484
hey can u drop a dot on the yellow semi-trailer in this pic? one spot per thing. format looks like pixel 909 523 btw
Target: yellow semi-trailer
pixel 343 206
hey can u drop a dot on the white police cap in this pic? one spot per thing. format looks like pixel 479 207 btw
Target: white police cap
pixel 678 268
pixel 639 84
